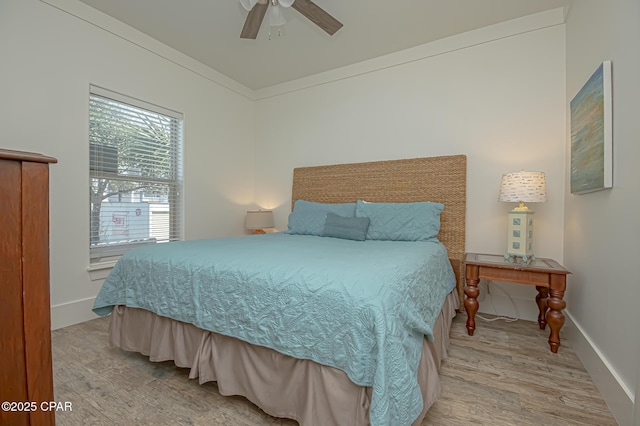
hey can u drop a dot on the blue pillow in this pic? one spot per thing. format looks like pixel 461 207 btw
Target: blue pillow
pixel 348 228
pixel 308 217
pixel 401 221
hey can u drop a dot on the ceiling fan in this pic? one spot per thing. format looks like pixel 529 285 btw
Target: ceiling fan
pixel 258 9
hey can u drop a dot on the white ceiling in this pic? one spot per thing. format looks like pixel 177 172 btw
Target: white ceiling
pixel 209 31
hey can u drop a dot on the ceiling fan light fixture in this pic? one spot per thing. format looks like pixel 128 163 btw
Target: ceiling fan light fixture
pixel 307 8
pixel 276 17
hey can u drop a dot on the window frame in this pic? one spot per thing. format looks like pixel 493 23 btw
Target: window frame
pixel 106 253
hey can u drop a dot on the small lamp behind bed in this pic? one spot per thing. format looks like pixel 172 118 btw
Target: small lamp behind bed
pixel 259 220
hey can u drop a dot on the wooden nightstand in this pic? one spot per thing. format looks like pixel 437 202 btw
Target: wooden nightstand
pixel 549 277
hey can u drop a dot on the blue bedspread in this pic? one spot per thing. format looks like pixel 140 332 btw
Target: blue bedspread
pixel 360 306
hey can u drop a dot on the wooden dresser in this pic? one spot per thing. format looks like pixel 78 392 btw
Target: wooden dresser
pixel 25 312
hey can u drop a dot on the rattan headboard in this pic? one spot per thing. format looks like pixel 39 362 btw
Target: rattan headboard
pixel 438 179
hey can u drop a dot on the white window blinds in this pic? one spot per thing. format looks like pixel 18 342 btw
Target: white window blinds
pixel 135 169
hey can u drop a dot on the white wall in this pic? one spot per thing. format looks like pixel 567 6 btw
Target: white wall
pixel 48 59
pixel 601 233
pixel 496 95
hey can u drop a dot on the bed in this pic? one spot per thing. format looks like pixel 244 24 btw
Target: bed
pixel 297 352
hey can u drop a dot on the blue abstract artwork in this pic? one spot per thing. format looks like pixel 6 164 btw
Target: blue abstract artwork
pixel 591 134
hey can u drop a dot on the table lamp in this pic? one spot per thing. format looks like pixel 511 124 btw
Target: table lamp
pixel 258 220
pixel 520 187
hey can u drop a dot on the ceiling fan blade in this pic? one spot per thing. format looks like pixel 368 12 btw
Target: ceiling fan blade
pixel 318 16
pixel 254 20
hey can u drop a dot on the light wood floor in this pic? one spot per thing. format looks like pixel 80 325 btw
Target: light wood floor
pixel 504 375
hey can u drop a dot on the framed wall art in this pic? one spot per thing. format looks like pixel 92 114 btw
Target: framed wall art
pixel 592 134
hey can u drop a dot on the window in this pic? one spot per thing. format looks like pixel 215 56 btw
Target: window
pixel 135 170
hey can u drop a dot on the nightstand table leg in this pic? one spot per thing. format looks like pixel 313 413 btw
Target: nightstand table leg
pixel 471 292
pixel 556 304
pixel 541 300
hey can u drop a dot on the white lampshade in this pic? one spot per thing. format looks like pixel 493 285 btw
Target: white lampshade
pixel 276 17
pixel 259 219
pixel 521 187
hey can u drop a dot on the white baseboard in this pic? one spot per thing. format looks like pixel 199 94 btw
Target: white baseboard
pixel 636 404
pixel 614 393
pixel 71 313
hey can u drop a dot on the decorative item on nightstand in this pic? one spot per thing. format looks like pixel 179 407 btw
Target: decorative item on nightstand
pixel 520 187
pixel 259 220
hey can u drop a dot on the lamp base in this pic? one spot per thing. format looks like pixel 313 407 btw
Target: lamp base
pixel 520 236
pixel 526 258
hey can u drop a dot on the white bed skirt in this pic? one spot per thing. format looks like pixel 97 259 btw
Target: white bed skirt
pixel 282 386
